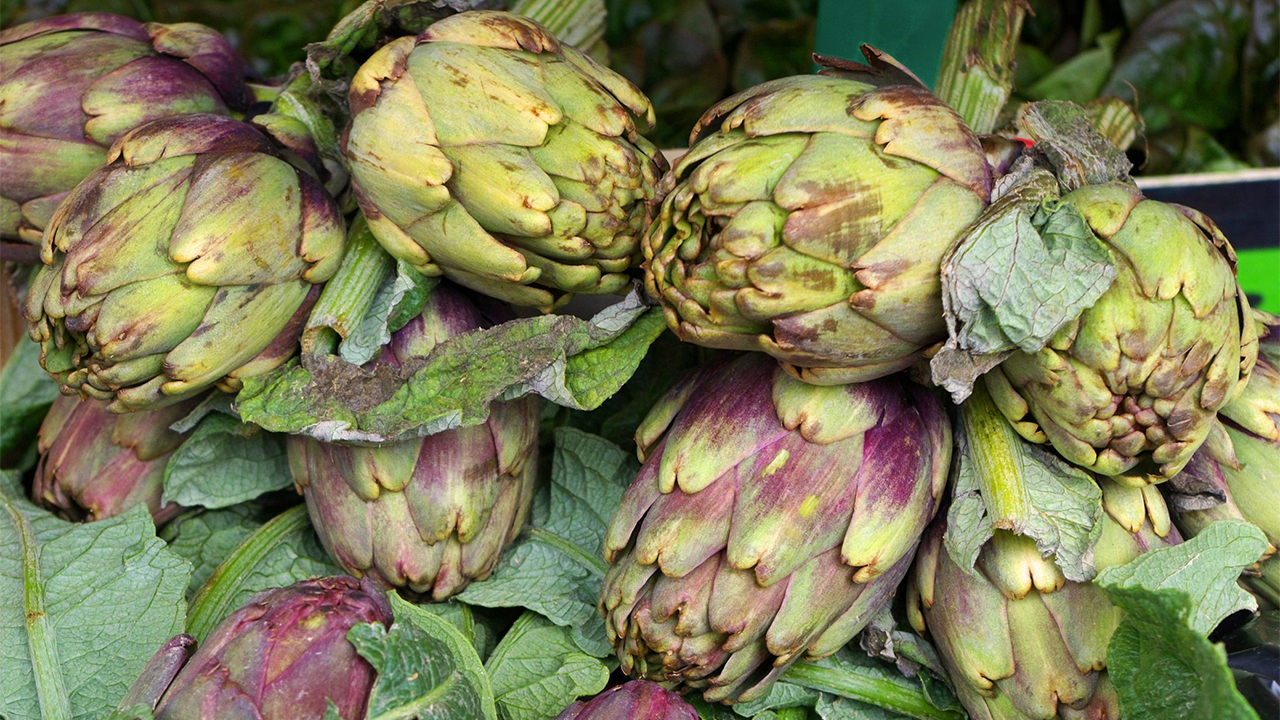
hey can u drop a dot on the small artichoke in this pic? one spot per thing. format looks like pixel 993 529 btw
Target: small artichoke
pixel 809 220
pixel 1131 387
pixel 429 514
pixel 635 700
pixel 71 85
pixel 189 260
pixel 1020 641
pixel 487 151
pixel 1240 464
pixel 95 464
pixel 770 521
pixel 284 655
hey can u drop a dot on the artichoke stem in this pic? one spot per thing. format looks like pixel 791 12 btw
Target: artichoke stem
pixel 993 447
pixel 347 297
pixel 976 77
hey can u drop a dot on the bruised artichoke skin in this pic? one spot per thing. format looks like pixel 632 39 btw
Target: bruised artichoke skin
pixel 770 521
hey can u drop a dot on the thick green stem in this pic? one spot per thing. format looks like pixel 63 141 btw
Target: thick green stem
pixel 976 77
pixel 868 689
pixel 348 296
pixel 577 22
pixel 51 687
pixel 996 452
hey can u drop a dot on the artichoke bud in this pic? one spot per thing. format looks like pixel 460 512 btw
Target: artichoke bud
pixel 809 221
pixel 95 464
pixel 284 655
pixel 1130 388
pixel 71 85
pixel 1237 474
pixel 1020 641
pixel 431 514
pixel 770 521
pixel 487 151
pixel 635 700
pixel 190 259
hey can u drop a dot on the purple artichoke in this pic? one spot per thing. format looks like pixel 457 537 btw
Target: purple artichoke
pixel 95 463
pixel 636 700
pixel 284 655
pixel 71 85
pixel 771 520
pixel 429 514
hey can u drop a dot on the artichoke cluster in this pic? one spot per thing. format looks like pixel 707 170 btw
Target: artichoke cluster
pixel 789 486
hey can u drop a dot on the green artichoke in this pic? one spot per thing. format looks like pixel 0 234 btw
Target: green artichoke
pixel 429 514
pixel 809 220
pixel 71 85
pixel 770 521
pixel 1020 641
pixel 284 655
pixel 1131 386
pixel 486 151
pixel 189 260
pixel 95 463
pixel 1239 467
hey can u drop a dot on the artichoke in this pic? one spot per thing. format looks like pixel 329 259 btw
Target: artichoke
pixel 71 85
pixel 1020 641
pixel 1239 466
pixel 189 260
pixel 429 514
pixel 284 655
pixel 809 220
pixel 95 463
pixel 1131 387
pixel 770 521
pixel 486 151
pixel 635 700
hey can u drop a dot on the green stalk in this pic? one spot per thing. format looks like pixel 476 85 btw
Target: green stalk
pixel 347 297
pixel 577 22
pixel 875 691
pixel 976 77
pixel 51 687
pixel 996 451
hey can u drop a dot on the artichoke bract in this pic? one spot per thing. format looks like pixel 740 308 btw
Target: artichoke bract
pixel 1130 387
pixel 809 220
pixel 770 521
pixel 635 700
pixel 284 655
pixel 189 260
pixel 95 463
pixel 1242 466
pixel 485 150
pixel 430 514
pixel 1019 640
pixel 71 85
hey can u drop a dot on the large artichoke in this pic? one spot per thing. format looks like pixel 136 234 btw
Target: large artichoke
pixel 1020 641
pixel 71 85
pixel 429 514
pixel 189 259
pixel 635 700
pixel 1131 386
pixel 809 219
pixel 487 151
pixel 95 463
pixel 1240 467
pixel 770 521
pixel 284 655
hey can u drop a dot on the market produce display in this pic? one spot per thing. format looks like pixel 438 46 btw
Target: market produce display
pixel 415 383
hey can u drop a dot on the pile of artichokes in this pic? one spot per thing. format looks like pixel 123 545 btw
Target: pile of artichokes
pixel 345 286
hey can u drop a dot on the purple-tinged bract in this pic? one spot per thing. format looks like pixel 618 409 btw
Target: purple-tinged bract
pixel 770 521
pixel 635 700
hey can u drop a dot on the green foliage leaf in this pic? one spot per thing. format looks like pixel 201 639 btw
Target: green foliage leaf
pixel 1205 569
pixel 478 630
pixel 863 680
pixel 205 538
pixel 555 568
pixel 1161 667
pixel 538 670
pixel 26 392
pixel 282 552
pixel 426 668
pixel 573 362
pixel 225 462
pixel 83 607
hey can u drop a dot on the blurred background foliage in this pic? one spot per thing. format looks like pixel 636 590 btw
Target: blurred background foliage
pixel 1204 74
